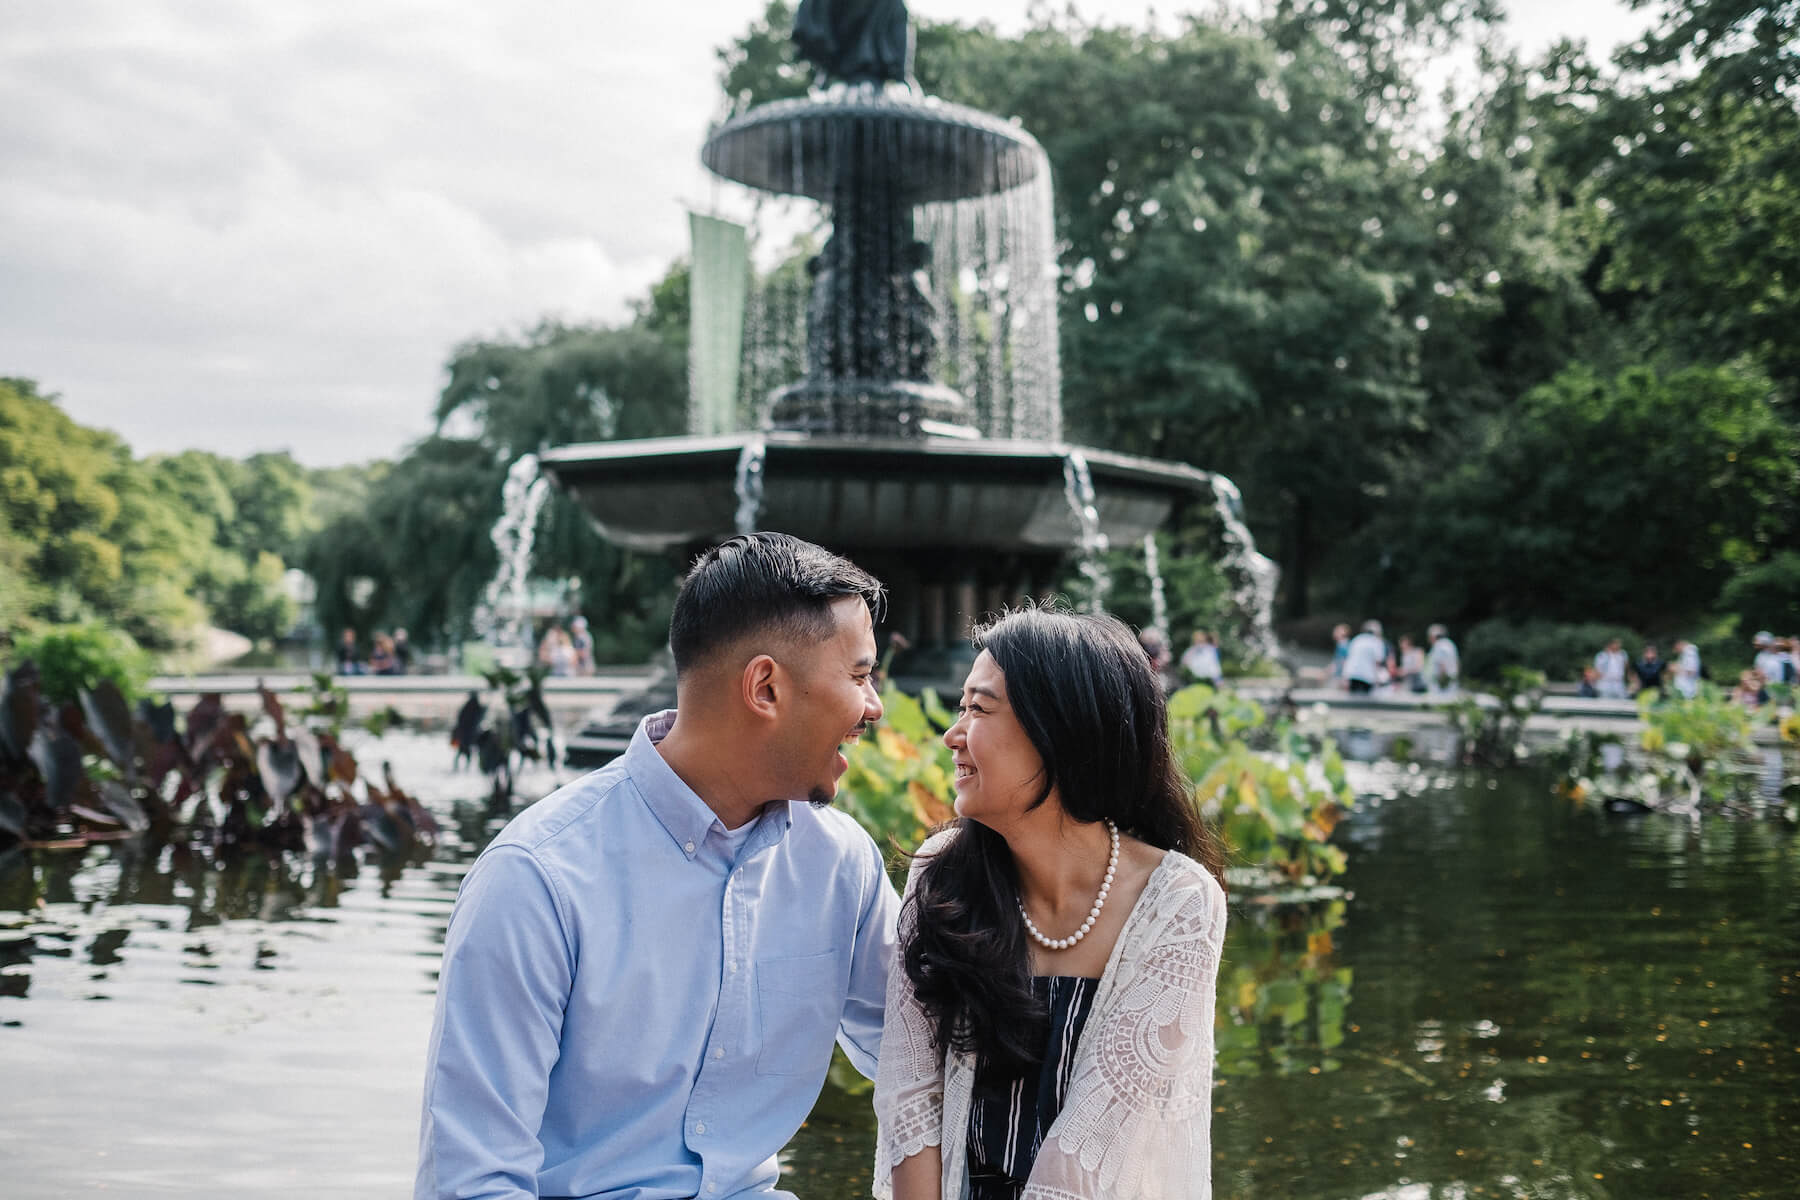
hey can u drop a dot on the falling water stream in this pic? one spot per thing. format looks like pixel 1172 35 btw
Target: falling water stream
pixel 749 485
pixel 503 618
pixel 1078 488
pixel 1159 600
pixel 1253 575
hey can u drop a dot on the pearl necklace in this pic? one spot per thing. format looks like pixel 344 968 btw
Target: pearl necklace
pixel 1112 864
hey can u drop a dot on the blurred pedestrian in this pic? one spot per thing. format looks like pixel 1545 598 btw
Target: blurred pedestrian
pixel 1409 669
pixel 582 642
pixel 348 661
pixel 402 652
pixel 1340 647
pixel 1201 659
pixel 1589 687
pixel 1610 666
pixel 1771 661
pixel 1687 668
pixel 1443 664
pixel 1647 672
pixel 556 651
pixel 381 658
pixel 1364 659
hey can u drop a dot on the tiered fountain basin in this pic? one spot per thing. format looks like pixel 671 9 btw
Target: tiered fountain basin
pixel 926 495
pixel 956 528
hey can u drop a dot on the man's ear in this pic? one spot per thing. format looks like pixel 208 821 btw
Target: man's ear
pixel 763 686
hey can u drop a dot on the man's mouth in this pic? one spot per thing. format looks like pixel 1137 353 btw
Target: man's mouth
pixel 963 770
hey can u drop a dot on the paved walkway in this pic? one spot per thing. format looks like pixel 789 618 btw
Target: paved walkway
pixel 429 699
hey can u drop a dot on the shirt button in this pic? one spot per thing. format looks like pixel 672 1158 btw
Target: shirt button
pixel 718 1052
pixel 700 1127
pixel 712 1189
pixel 688 846
pixel 734 968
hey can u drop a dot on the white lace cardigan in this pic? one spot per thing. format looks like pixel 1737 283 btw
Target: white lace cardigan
pixel 1136 1123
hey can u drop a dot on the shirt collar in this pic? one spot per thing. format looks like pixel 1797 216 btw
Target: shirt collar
pixel 683 814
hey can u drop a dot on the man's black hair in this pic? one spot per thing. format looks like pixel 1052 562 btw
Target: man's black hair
pixel 762 583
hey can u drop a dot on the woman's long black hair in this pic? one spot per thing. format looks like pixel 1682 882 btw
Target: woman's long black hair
pixel 1093 709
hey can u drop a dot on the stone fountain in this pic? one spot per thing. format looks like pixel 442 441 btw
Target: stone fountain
pixel 924 436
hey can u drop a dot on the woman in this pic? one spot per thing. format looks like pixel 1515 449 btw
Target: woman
pixel 1049 1026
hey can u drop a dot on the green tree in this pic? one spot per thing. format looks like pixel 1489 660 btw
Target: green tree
pixel 1240 245
pixel 416 552
pixel 94 536
pixel 1633 498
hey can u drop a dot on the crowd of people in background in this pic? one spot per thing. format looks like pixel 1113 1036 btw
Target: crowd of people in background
pixel 562 650
pixel 1615 675
pixel 1199 663
pixel 1367 665
pixel 389 654
pixel 567 651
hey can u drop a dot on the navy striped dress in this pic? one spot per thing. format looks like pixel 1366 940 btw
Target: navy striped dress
pixel 1011 1111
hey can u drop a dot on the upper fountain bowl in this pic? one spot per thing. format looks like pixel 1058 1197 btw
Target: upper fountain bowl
pixel 942 151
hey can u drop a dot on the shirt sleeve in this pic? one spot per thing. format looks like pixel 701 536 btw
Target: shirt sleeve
pixel 507 971
pixel 1137 1118
pixel 909 1087
pixel 872 957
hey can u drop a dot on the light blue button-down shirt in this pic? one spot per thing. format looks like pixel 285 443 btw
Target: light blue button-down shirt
pixel 628 1010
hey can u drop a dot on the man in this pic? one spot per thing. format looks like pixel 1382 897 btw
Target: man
pixel 644 974
pixel 1647 671
pixel 1610 666
pixel 1365 660
pixel 1770 662
pixel 1443 665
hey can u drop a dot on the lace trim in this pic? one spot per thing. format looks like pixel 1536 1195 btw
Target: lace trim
pixel 1138 1113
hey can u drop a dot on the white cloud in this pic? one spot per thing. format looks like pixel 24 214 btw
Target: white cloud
pixel 252 226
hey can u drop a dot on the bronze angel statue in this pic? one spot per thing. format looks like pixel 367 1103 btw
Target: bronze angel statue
pixel 856 41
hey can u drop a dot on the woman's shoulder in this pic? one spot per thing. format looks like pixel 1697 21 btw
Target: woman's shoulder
pixel 1187 894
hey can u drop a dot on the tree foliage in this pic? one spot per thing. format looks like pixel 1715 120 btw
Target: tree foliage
pixel 1634 498
pixel 416 551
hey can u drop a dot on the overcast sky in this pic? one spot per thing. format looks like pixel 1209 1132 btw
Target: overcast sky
pixel 245 225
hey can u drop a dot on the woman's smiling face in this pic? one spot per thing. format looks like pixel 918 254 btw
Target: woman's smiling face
pixel 999 773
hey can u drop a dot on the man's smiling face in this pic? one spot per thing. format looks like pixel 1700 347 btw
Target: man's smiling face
pixel 834 702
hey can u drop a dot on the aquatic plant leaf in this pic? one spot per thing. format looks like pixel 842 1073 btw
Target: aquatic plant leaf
pixel 343 767
pixel 123 805
pixel 271 705
pixel 278 764
pixel 19 710
pixel 157 720
pixel 311 756
pixel 12 815
pixel 109 717
pixel 203 719
pixel 58 759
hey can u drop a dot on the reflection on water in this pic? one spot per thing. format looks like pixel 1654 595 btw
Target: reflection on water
pixel 1522 997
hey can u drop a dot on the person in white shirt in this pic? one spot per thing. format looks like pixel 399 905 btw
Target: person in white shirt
pixel 1610 664
pixel 1770 662
pixel 1201 659
pixel 1364 662
pixel 1443 665
pixel 1687 668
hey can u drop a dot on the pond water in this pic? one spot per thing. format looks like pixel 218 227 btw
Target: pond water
pixel 1523 997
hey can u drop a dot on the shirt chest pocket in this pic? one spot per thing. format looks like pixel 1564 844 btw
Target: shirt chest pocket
pixel 799 1001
